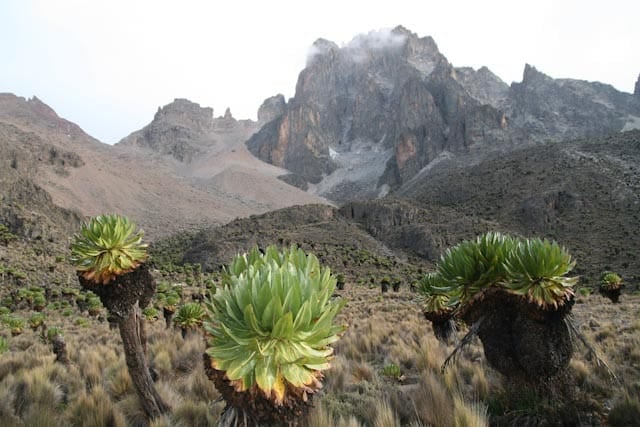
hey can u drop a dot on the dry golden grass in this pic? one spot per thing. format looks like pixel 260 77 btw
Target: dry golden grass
pixel 95 409
pixel 383 330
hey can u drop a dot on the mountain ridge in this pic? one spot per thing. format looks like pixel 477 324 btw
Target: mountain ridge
pixel 393 98
pixel 87 177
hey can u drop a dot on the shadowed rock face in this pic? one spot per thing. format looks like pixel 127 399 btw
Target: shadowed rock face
pixel 583 193
pixel 271 109
pixel 368 116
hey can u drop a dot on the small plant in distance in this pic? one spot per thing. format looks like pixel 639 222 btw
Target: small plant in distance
pixel 392 370
pixel 39 302
pixel 6 236
pixel 269 329
pixel 36 320
pixel 189 317
pixel 94 305
pixel 53 332
pixel 4 345
pixel 611 285
pixel 15 324
pixel 109 257
pixel 107 246
pixel 151 314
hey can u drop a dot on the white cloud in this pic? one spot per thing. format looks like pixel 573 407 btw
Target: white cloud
pixel 383 38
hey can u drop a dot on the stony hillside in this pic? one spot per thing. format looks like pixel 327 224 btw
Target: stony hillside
pixel 25 207
pixel 338 242
pixel 159 192
pixel 584 193
pixel 368 116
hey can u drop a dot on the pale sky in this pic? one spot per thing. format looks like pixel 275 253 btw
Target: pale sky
pixel 108 65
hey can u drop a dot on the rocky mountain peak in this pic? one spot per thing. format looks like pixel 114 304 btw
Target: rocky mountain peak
pixel 35 116
pixel 42 109
pixel 636 92
pixel 483 85
pixel 182 112
pixel 532 75
pixel 228 115
pixel 371 106
pixel 178 129
pixel 321 49
pixel 370 115
pixel 380 39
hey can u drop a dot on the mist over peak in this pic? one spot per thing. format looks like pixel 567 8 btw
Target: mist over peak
pixel 385 38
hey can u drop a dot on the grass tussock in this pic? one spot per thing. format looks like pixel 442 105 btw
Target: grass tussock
pixel 35 389
pixel 386 416
pixel 322 417
pixel 626 411
pixel 95 409
pixel 193 414
pixel 118 381
pixel 471 413
pixel 433 402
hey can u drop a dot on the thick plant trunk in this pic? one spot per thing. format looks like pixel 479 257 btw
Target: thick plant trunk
pixel 612 294
pixel 123 298
pixel 520 340
pixel 142 331
pixel 60 350
pixel 168 314
pixel 153 404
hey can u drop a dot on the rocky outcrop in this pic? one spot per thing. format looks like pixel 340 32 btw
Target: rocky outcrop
pixel 271 109
pixel 483 85
pixel 186 131
pixel 176 130
pixel 636 91
pixel 25 207
pixel 541 108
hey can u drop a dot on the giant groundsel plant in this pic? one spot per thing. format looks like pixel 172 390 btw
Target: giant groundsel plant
pixel 269 329
pixel 513 293
pixel 108 255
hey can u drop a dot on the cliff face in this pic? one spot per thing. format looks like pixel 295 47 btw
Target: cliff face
pixel 370 115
